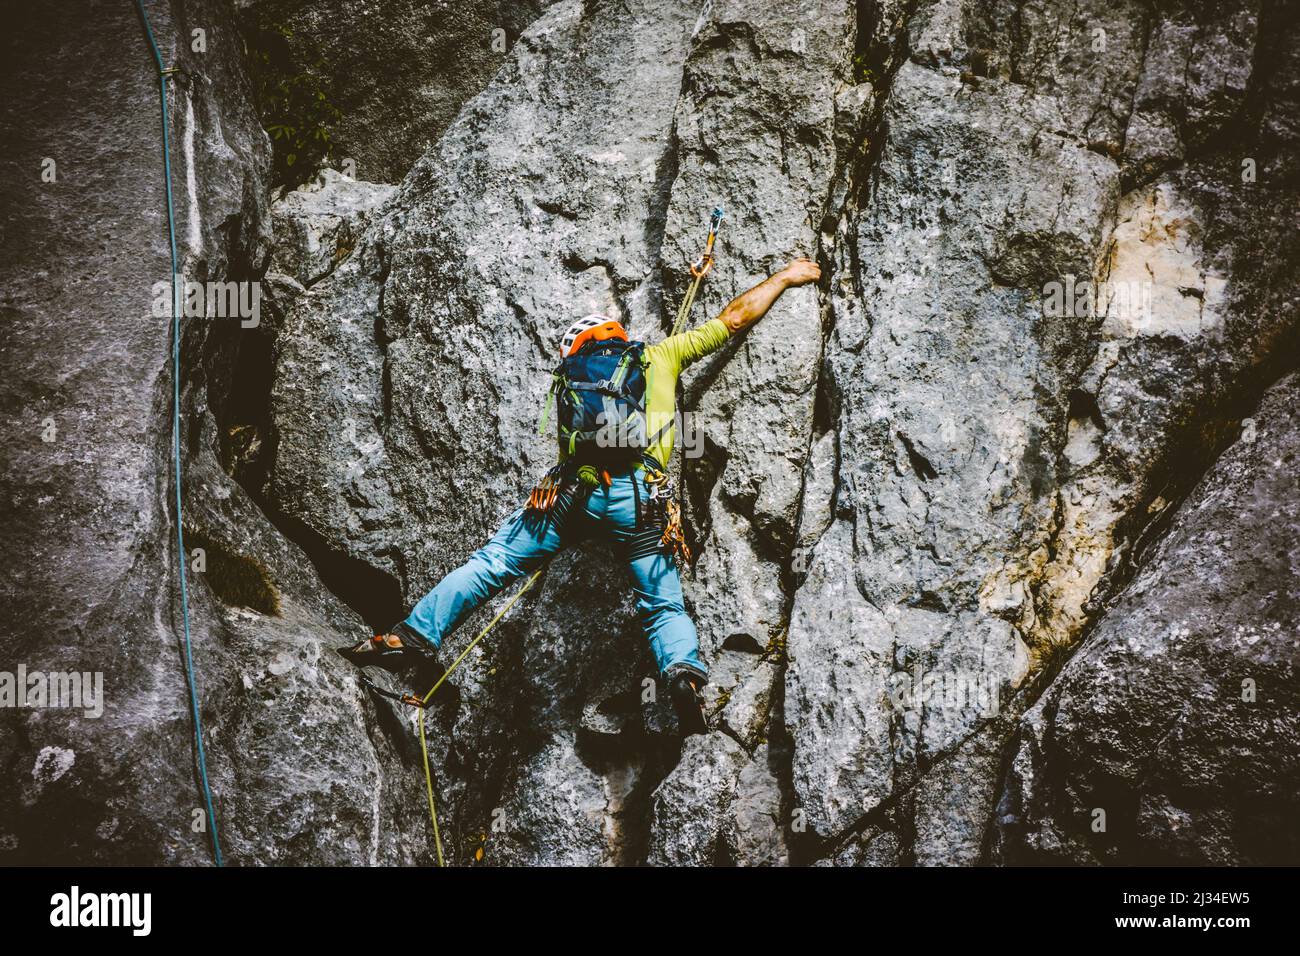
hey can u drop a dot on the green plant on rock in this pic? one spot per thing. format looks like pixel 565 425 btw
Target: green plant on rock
pixel 775 650
pixel 294 102
pixel 724 699
pixel 862 71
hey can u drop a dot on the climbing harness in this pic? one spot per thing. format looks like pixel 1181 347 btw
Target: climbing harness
pixel 163 73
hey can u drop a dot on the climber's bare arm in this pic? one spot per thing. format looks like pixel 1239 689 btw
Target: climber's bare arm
pixel 748 307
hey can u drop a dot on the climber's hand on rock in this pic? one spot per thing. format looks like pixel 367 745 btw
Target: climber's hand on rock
pixel 801 272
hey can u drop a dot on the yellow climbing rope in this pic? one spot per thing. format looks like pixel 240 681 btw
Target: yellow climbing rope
pixel 424 704
pixel 674 537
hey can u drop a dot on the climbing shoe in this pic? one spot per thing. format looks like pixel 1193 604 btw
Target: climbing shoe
pixel 396 652
pixel 684 690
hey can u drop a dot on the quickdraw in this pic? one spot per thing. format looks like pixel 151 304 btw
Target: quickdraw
pixel 411 700
pixel 705 262
pixel 674 537
pixel 663 494
pixel 698 269
pixel 546 493
pixel 547 490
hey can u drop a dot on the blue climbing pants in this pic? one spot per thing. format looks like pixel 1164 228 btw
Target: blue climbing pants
pixel 526 540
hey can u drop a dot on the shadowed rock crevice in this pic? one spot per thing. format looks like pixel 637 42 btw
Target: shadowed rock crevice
pixel 239 366
pixel 376 85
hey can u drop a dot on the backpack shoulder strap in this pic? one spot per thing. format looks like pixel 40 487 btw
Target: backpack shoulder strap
pixel 557 382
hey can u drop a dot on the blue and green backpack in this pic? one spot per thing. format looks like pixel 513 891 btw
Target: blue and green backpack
pixel 599 395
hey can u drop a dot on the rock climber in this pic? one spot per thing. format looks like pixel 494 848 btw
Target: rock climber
pixel 614 403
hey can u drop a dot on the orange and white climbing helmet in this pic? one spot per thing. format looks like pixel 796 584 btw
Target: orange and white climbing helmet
pixel 590 328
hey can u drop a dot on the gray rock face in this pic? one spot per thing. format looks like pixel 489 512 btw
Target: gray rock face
pixel 1172 735
pixel 692 806
pixel 755 131
pixel 317 225
pixel 397 71
pixel 999 452
pixel 1059 272
pixel 755 834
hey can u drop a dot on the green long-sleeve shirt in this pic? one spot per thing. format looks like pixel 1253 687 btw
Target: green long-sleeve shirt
pixel 665 362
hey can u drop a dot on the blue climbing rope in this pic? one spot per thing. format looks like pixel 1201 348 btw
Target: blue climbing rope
pixel 163 73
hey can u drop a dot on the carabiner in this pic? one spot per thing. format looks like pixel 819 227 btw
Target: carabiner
pixel 705 262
